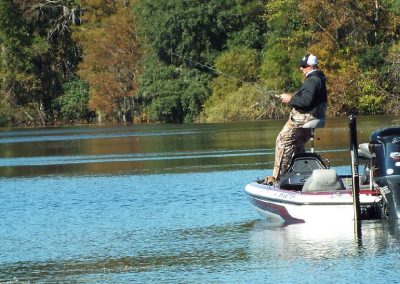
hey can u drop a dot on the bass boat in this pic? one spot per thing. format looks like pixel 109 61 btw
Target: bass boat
pixel 311 191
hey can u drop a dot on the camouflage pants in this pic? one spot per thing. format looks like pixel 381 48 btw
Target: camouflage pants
pixel 290 140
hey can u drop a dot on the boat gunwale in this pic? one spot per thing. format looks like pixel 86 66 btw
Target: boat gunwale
pixel 294 194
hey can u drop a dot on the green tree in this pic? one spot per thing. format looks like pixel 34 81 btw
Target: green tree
pixel 171 94
pixel 237 93
pixel 391 77
pixel 287 40
pixel 38 55
pixel 184 38
pixel 198 30
pixel 16 66
pixel 393 5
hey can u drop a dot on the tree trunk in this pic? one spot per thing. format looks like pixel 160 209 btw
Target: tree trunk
pixel 99 116
pixel 376 19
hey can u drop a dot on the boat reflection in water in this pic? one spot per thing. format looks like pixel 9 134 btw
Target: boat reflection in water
pixel 329 245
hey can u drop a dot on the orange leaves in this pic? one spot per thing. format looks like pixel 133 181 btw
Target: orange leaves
pixel 111 55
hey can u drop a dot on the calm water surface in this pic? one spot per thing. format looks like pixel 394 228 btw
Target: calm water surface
pixel 165 204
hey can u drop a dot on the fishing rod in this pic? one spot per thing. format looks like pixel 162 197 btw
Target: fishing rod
pixel 256 85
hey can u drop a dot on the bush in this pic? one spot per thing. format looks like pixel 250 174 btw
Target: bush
pixel 370 104
pixel 73 104
pixel 250 102
pixel 371 96
pixel 166 109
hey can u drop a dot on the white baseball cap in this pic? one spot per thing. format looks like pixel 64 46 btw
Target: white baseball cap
pixel 308 59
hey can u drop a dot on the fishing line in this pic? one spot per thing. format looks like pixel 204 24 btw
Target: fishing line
pixel 256 85
pixel 209 67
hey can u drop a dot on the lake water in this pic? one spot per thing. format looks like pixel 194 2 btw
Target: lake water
pixel 165 204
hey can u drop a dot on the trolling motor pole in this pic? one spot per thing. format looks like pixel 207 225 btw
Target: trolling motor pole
pixel 355 173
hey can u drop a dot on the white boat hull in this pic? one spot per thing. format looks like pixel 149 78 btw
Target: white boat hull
pixel 287 206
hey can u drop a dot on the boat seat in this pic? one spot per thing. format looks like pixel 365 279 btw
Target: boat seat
pixel 363 151
pixel 312 124
pixel 315 123
pixel 300 169
pixel 323 180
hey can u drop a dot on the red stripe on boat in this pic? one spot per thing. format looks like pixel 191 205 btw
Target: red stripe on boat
pixel 276 209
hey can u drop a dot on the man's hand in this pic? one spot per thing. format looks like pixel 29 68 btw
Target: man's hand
pixel 285 98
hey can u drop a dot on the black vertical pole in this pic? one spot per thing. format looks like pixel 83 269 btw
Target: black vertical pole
pixel 355 174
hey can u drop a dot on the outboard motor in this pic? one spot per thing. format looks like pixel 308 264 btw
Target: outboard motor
pixel 385 144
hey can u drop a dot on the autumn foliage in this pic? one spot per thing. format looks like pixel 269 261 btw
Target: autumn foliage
pixel 110 58
pixel 64 61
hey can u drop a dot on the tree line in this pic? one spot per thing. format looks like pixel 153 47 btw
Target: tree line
pixel 120 61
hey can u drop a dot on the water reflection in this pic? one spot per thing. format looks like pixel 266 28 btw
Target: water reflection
pixel 64 270
pixel 269 252
pixel 165 203
pixel 323 241
pixel 208 247
pixel 303 253
pixel 65 160
pixel 161 148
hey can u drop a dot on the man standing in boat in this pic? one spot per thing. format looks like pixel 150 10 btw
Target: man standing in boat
pixel 308 103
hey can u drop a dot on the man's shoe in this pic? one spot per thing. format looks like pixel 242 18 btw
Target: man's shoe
pixel 270 180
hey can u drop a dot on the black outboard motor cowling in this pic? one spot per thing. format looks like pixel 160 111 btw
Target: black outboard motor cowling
pixel 385 143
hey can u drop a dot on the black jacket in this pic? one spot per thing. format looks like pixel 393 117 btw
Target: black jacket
pixel 311 94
